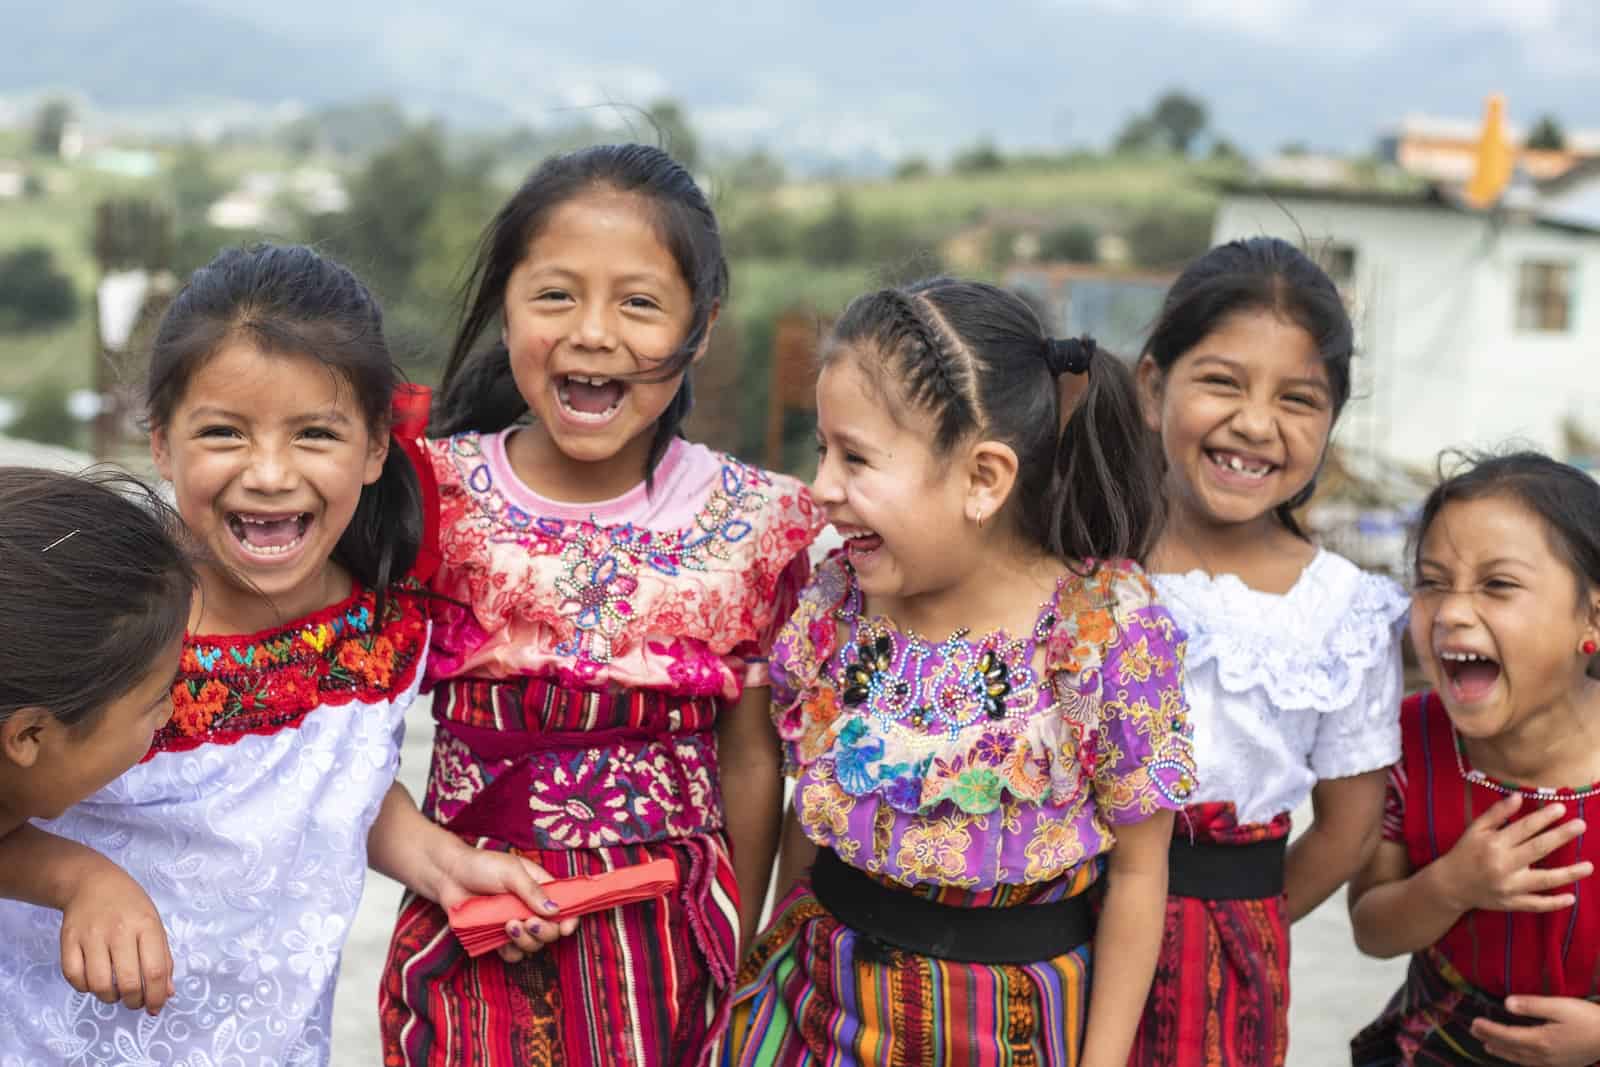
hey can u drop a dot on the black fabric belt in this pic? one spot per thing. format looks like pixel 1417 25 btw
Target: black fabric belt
pixel 1208 871
pixel 1026 933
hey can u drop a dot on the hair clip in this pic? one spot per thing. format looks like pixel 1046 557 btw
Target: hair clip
pixel 59 540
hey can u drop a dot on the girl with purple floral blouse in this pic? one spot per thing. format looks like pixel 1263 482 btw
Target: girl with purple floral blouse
pixel 980 700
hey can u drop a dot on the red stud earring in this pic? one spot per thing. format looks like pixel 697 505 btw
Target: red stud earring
pixel 1589 648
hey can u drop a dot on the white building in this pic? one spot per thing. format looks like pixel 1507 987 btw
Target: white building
pixel 1473 329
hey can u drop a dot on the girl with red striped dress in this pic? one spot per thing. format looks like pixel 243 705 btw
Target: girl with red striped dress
pixel 1483 875
pixel 608 591
pixel 1294 652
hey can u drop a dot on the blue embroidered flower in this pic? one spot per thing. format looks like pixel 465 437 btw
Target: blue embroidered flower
pixel 850 765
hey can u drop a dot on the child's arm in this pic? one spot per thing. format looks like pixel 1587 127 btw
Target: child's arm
pixel 1347 814
pixel 752 799
pixel 1569 1036
pixel 1396 910
pixel 113 945
pixel 1128 939
pixel 796 852
pixel 434 863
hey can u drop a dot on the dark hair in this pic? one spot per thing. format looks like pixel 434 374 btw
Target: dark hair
pixel 288 299
pixel 1567 499
pixel 97 585
pixel 1258 274
pixel 478 392
pixel 977 359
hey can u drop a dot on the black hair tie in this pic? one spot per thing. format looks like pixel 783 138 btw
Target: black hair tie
pixel 1069 356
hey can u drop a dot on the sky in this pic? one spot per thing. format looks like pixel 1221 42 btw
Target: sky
pixel 856 78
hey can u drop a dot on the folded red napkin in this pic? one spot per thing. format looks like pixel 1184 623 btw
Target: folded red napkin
pixel 480 922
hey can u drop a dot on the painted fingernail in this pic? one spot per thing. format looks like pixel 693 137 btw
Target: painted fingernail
pixel 533 928
pixel 516 929
pixel 550 905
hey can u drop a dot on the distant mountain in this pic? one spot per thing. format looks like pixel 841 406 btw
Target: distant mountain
pixel 838 80
pixel 165 54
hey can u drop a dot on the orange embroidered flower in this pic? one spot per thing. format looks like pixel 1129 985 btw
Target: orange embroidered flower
pixel 1095 627
pixel 192 713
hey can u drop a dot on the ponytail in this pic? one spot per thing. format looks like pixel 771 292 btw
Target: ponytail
pixel 380 545
pixel 1105 497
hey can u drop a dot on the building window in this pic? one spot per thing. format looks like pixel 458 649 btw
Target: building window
pixel 1544 296
pixel 1340 263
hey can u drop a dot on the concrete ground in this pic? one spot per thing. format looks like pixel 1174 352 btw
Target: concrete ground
pixel 1336 989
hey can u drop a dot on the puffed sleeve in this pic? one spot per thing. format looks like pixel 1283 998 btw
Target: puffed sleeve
pixel 1364 735
pixel 1144 756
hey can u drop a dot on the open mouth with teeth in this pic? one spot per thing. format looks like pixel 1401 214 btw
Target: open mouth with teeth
pixel 589 397
pixel 269 535
pixel 1237 466
pixel 860 544
pixel 1470 675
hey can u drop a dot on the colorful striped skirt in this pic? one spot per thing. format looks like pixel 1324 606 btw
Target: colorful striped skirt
pixel 1221 989
pixel 815 992
pixel 1428 1022
pixel 580 783
pixel 633 987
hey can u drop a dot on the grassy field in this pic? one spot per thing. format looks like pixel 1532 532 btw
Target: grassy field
pixel 1105 193
pixel 1086 188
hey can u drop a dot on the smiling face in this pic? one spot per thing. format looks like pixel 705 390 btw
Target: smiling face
pixel 597 299
pixel 267 455
pixel 900 508
pixel 64 764
pixel 1498 616
pixel 1244 418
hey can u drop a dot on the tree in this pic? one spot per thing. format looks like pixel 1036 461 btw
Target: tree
pixel 1547 134
pixel 676 136
pixel 912 167
pixel 978 158
pixel 1076 242
pixel 757 172
pixel 44 416
pixel 1167 238
pixel 1180 117
pixel 49 124
pixel 132 232
pixel 1138 134
pixel 835 239
pixel 34 294
pixel 391 201
pixel 1225 151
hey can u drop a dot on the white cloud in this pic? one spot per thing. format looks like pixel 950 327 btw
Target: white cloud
pixel 1551 29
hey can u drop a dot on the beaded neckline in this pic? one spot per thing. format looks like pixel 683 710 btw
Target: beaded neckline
pixel 1477 777
pixel 899 677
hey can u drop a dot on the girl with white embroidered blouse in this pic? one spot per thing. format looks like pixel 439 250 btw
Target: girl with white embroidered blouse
pixel 1293 667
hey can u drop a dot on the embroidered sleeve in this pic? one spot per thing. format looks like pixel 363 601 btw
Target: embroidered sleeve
pixel 1365 734
pixel 1143 759
pixel 1394 805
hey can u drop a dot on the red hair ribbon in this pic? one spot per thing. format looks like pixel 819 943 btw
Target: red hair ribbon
pixel 408 424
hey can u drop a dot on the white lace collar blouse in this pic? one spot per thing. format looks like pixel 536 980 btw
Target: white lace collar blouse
pixel 1285 690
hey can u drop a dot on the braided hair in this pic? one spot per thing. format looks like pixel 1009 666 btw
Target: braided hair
pixel 977 360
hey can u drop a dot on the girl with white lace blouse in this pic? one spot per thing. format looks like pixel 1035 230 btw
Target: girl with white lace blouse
pixel 1293 666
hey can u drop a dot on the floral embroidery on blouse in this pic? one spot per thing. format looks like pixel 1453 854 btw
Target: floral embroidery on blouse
pixel 229 687
pixel 613 584
pixel 981 760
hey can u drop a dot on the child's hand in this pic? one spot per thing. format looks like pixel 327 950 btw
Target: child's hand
pixel 475 872
pixel 113 944
pixel 1568 1037
pixel 1491 867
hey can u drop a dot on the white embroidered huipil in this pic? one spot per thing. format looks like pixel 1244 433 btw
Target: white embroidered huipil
pixel 247 825
pixel 1286 690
